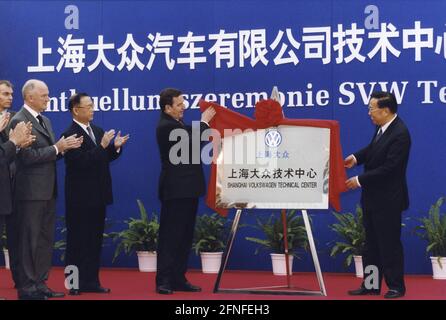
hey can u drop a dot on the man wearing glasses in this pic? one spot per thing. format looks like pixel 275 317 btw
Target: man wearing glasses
pixel 384 194
pixel 88 190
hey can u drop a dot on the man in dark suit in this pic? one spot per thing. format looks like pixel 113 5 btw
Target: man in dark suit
pixel 180 186
pixel 7 216
pixel 35 192
pixel 20 137
pixel 7 156
pixel 384 194
pixel 88 190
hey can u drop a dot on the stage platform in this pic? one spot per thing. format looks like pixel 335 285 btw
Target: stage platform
pixel 130 284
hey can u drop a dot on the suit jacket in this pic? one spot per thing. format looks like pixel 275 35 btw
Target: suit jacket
pixel 7 156
pixel 183 180
pixel 385 161
pixel 35 177
pixel 87 176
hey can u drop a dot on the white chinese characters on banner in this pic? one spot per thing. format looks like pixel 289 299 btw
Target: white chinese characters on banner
pixel 292 57
pixel 418 43
pixel 224 48
pixel 160 44
pixel 350 38
pixel 191 51
pixel 133 60
pixel 72 54
pixel 383 45
pixel 252 48
pixel 280 167
pixel 101 58
pixel 41 52
pixel 317 43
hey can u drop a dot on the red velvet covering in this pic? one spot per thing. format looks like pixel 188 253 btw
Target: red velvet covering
pixel 269 113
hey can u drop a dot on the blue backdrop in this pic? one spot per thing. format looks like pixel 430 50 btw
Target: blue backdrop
pixel 329 52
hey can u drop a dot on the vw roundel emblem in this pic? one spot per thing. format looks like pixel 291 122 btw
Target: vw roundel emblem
pixel 273 138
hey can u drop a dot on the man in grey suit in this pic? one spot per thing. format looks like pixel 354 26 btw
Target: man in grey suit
pixel 19 138
pixel 35 193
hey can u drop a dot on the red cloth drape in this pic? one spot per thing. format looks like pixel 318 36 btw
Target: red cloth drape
pixel 269 113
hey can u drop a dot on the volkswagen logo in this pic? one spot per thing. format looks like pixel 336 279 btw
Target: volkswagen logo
pixel 273 138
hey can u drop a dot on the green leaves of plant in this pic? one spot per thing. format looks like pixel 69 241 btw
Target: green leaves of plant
pixel 351 230
pixel 141 234
pixel 211 232
pixel 433 230
pixel 274 236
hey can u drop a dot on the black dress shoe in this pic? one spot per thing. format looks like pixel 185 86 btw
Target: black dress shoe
pixel 52 294
pixel 74 292
pixel 164 289
pixel 186 286
pixel 98 289
pixel 393 294
pixel 364 292
pixel 32 296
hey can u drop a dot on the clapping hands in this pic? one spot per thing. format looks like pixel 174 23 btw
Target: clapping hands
pixel 119 140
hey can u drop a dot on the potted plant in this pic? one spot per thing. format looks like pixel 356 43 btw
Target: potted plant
pixel 272 229
pixel 211 232
pixel 3 242
pixel 140 236
pixel 351 230
pixel 433 230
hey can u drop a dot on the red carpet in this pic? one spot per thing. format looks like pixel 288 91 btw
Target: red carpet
pixel 130 284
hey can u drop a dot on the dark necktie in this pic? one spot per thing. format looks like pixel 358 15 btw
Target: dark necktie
pixel 3 136
pixel 378 136
pixel 40 119
pixel 90 133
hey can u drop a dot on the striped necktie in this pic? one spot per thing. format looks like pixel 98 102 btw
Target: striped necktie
pixel 90 133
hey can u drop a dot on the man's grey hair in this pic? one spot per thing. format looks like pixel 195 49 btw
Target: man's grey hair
pixel 29 86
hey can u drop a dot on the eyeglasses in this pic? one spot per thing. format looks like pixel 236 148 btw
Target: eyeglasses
pixel 89 108
pixel 372 109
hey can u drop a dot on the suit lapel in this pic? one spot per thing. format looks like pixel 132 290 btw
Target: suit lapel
pixel 386 134
pixel 50 129
pixel 169 119
pixel 87 139
pixel 378 145
pixel 3 136
pixel 96 133
pixel 36 124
